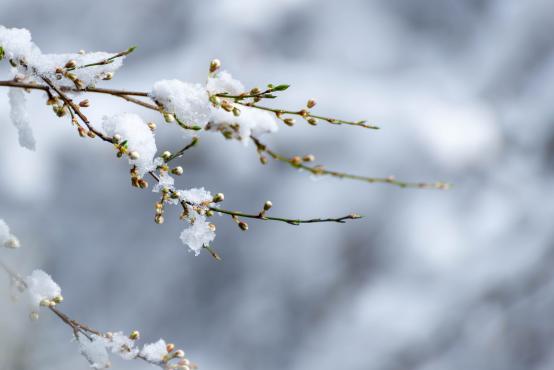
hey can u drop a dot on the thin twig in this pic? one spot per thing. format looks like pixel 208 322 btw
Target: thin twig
pixel 307 115
pixel 290 221
pixel 319 171
pixel 105 61
pixel 178 154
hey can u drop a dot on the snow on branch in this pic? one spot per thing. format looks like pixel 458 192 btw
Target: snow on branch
pixel 40 291
pixel 221 105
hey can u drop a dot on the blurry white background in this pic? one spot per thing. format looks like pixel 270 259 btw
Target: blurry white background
pixel 428 280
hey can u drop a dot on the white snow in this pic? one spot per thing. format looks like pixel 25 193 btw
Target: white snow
pixel 7 239
pixel 155 352
pixel 16 42
pixel 223 82
pixel 166 181
pixel 20 118
pixel 18 45
pixel 40 287
pixel 121 345
pixel 46 64
pixel 196 195
pixel 95 352
pixel 188 102
pixel 139 138
pixel 199 234
pixel 251 121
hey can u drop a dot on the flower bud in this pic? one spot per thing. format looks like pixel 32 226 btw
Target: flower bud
pixel 215 64
pixel 71 64
pixel 268 205
pixel 311 103
pixel 159 219
pixel 166 155
pixel 84 104
pixel 243 225
pixel 152 126
pixel 135 335
pixel 219 197
pixel 134 155
pixel 177 171
pixel 168 117
pixel 58 299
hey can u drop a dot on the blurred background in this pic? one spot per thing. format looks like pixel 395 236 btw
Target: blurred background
pixel 427 280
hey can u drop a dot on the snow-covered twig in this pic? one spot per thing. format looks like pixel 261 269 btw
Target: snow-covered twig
pixel 94 343
pixel 222 105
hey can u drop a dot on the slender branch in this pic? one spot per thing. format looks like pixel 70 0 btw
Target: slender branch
pixel 35 86
pixel 262 217
pixel 178 154
pixel 296 162
pixel 290 221
pixel 23 85
pixel 105 61
pixel 308 115
pixel 114 91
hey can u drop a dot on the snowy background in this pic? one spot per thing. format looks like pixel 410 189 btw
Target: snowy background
pixel 428 280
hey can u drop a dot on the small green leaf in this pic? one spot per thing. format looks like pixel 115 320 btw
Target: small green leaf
pixel 282 87
pixel 196 128
pixel 131 49
pixel 1 53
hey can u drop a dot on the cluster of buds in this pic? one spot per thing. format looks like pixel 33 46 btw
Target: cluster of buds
pixel 228 131
pixel 137 181
pixel 122 148
pixel 52 302
pixel 58 107
pixel 183 363
pixel 297 160
pixel 65 71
